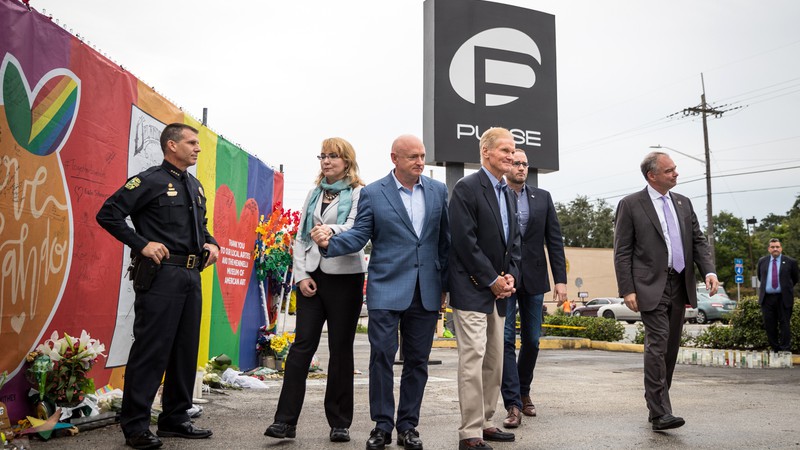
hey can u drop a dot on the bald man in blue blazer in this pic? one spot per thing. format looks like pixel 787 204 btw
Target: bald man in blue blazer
pixel 405 215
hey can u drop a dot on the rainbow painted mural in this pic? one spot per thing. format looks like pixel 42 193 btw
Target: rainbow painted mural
pixel 73 127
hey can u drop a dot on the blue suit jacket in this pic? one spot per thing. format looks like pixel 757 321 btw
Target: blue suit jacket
pixel 399 257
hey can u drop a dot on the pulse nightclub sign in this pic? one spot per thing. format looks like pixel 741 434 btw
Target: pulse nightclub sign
pixel 486 65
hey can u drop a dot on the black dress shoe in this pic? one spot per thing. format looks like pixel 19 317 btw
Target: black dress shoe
pixel 496 435
pixel 340 435
pixel 473 444
pixel 281 430
pixel 378 439
pixel 409 439
pixel 143 439
pixel 186 430
pixel 666 422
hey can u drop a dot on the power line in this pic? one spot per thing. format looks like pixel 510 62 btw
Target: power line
pixel 628 191
pixel 755 190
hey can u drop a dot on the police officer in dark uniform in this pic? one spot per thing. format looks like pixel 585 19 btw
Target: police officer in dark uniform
pixel 170 245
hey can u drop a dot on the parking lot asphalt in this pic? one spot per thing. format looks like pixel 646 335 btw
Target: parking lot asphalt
pixel 586 399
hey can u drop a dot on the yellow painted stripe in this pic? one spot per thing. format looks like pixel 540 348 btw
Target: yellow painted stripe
pixel 568 327
pixel 206 173
pixel 44 119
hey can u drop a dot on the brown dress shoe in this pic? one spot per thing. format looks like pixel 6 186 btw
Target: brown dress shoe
pixel 473 444
pixel 513 419
pixel 527 406
pixel 495 434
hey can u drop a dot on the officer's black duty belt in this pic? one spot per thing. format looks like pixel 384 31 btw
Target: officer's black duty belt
pixel 188 261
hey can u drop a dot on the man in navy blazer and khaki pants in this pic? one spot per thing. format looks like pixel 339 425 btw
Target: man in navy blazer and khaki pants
pixel 483 272
pixel 657 242
pixel 405 215
pixel 778 274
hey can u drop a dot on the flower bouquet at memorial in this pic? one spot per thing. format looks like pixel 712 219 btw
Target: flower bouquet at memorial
pixel 273 252
pixel 272 348
pixel 59 370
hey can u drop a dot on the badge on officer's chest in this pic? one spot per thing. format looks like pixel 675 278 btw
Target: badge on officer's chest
pixel 200 197
pixel 171 190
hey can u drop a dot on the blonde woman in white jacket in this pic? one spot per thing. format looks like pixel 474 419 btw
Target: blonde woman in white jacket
pixel 329 289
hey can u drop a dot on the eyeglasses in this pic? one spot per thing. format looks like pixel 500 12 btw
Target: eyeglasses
pixel 322 156
pixel 520 163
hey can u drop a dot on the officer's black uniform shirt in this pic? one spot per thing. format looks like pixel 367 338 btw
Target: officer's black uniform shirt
pixel 165 205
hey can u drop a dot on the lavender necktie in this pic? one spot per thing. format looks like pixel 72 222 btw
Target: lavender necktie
pixel 678 263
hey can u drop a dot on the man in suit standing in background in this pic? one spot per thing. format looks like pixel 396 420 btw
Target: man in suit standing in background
pixel 777 274
pixel 539 227
pixel 657 242
pixel 483 272
pixel 405 215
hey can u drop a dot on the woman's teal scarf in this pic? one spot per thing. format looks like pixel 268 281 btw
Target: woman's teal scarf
pixel 342 187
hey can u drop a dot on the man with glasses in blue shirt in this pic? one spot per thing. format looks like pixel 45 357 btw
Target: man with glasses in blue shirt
pixel 539 227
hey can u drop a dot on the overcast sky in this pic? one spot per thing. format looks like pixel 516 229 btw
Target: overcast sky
pixel 280 76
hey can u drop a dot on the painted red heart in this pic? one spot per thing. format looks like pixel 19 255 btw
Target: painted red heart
pixel 236 240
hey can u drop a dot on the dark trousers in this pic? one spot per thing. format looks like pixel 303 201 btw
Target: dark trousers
pixel 777 317
pixel 338 301
pixel 662 341
pixel 167 334
pixel 417 326
pixel 518 371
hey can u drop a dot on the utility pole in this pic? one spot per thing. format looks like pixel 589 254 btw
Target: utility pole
pixel 704 110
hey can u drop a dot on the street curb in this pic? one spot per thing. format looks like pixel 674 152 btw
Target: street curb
pixel 547 343
pixel 562 344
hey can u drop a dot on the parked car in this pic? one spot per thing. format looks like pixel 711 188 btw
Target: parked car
pixel 589 309
pixel 711 308
pixel 621 312
pixel 701 289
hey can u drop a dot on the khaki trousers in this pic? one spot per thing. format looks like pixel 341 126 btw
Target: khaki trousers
pixel 480 369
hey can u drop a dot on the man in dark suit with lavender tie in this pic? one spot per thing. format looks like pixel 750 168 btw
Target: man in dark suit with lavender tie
pixel 778 274
pixel 657 242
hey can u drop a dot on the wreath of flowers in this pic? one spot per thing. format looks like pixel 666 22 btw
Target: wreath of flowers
pixel 273 252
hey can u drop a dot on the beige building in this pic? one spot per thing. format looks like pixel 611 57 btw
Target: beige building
pixel 589 270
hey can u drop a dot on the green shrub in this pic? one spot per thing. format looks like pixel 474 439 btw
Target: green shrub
pixel 686 339
pixel 594 328
pixel 746 330
pixel 716 336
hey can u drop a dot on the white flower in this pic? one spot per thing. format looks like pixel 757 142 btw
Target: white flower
pixel 51 347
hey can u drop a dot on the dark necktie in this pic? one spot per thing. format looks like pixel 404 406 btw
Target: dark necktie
pixel 192 210
pixel 774 273
pixel 501 203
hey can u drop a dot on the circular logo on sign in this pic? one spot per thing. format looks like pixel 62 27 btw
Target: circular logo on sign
pixel 491 62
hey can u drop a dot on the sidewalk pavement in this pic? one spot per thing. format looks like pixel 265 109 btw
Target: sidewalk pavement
pixel 585 399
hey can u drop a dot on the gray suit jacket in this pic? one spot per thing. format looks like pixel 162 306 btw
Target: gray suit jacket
pixel 640 250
